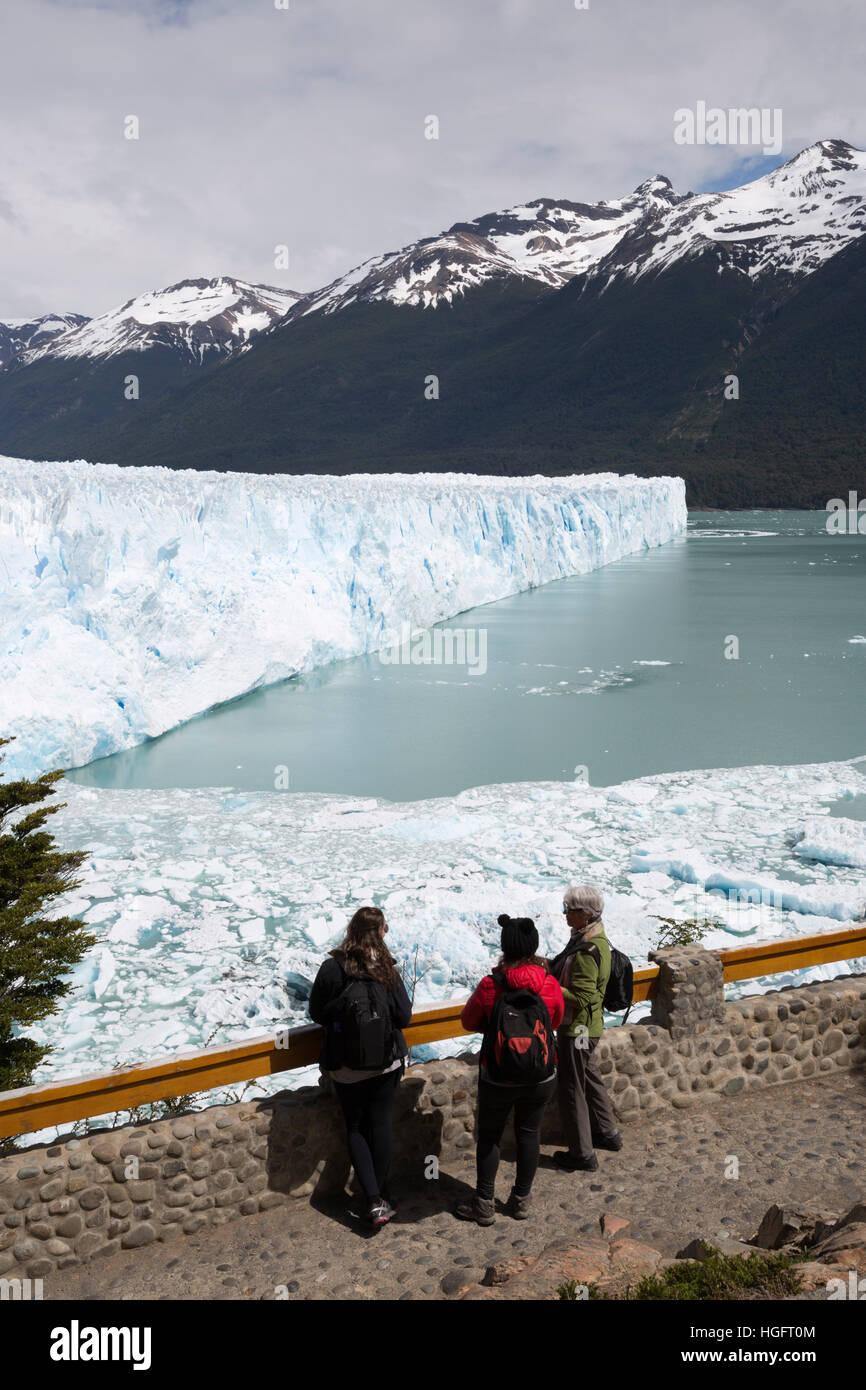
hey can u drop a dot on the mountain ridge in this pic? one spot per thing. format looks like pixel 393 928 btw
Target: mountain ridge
pixel 538 366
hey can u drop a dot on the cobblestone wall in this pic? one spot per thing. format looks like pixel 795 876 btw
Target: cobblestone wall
pixel 120 1189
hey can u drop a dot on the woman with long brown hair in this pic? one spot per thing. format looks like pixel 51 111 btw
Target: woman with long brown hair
pixel 361 1002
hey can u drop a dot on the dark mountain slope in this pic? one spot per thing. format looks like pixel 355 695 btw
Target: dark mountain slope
pixel 630 377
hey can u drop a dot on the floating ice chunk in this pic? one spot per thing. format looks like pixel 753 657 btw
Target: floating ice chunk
pixel 254 930
pixel 74 906
pixel 107 971
pixel 184 868
pixel 678 863
pixel 100 912
pixel 638 793
pixel 159 995
pixel 437 829
pixel 145 1040
pixel 841 904
pixel 320 930
pixel 649 882
pixel 832 840
pixel 738 886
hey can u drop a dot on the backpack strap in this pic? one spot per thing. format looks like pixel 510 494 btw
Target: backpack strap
pixel 570 951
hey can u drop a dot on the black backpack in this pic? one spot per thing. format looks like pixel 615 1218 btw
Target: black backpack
pixel 362 1026
pixel 619 991
pixel 620 986
pixel 519 1047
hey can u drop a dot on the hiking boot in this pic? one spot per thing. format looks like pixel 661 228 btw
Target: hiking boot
pixel 480 1209
pixel 608 1141
pixel 569 1164
pixel 518 1206
pixel 379 1211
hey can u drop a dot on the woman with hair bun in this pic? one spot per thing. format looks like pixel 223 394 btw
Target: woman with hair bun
pixel 518 1007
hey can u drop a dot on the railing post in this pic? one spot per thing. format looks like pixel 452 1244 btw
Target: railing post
pixel 690 992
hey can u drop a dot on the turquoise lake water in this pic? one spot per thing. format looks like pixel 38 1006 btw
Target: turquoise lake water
pixel 619 673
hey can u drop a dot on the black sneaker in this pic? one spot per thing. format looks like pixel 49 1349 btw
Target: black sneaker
pixel 608 1141
pixel 569 1164
pixel 379 1212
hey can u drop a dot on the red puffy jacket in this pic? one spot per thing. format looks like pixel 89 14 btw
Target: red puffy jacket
pixel 476 1013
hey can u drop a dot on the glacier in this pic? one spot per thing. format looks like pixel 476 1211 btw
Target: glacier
pixel 214 908
pixel 134 599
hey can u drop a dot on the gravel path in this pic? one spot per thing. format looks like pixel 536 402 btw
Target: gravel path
pixel 802 1142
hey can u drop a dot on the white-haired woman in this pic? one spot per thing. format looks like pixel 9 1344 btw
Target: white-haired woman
pixel 583 969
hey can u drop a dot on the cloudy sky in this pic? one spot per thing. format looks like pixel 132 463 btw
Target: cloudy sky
pixel 305 126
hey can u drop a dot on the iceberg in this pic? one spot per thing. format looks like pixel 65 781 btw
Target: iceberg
pixel 832 840
pixel 134 599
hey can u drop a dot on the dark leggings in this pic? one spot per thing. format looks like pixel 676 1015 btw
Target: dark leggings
pixel 494 1107
pixel 368 1108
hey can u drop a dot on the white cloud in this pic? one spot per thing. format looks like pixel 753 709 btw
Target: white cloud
pixel 261 126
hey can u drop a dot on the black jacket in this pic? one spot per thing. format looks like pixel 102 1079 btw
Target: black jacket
pixel 324 1007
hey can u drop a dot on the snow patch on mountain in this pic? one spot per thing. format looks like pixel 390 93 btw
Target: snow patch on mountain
pixel 197 318
pixel 19 335
pixel 545 241
pixel 790 221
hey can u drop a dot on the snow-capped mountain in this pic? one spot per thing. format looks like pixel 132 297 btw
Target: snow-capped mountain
pixel 546 240
pixel 790 221
pixel 17 335
pixel 199 319
pixel 569 335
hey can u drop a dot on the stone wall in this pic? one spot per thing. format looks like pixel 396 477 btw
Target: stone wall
pixel 124 1188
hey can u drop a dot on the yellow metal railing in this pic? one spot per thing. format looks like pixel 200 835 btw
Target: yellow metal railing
pixel 34 1108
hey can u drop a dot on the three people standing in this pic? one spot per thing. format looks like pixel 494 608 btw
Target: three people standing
pixel 541 1023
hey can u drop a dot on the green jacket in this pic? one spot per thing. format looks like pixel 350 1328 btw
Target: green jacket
pixel 585 990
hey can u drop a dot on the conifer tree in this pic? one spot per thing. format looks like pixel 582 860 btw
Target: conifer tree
pixel 36 951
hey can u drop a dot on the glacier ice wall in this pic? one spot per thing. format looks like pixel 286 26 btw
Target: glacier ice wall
pixel 133 599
